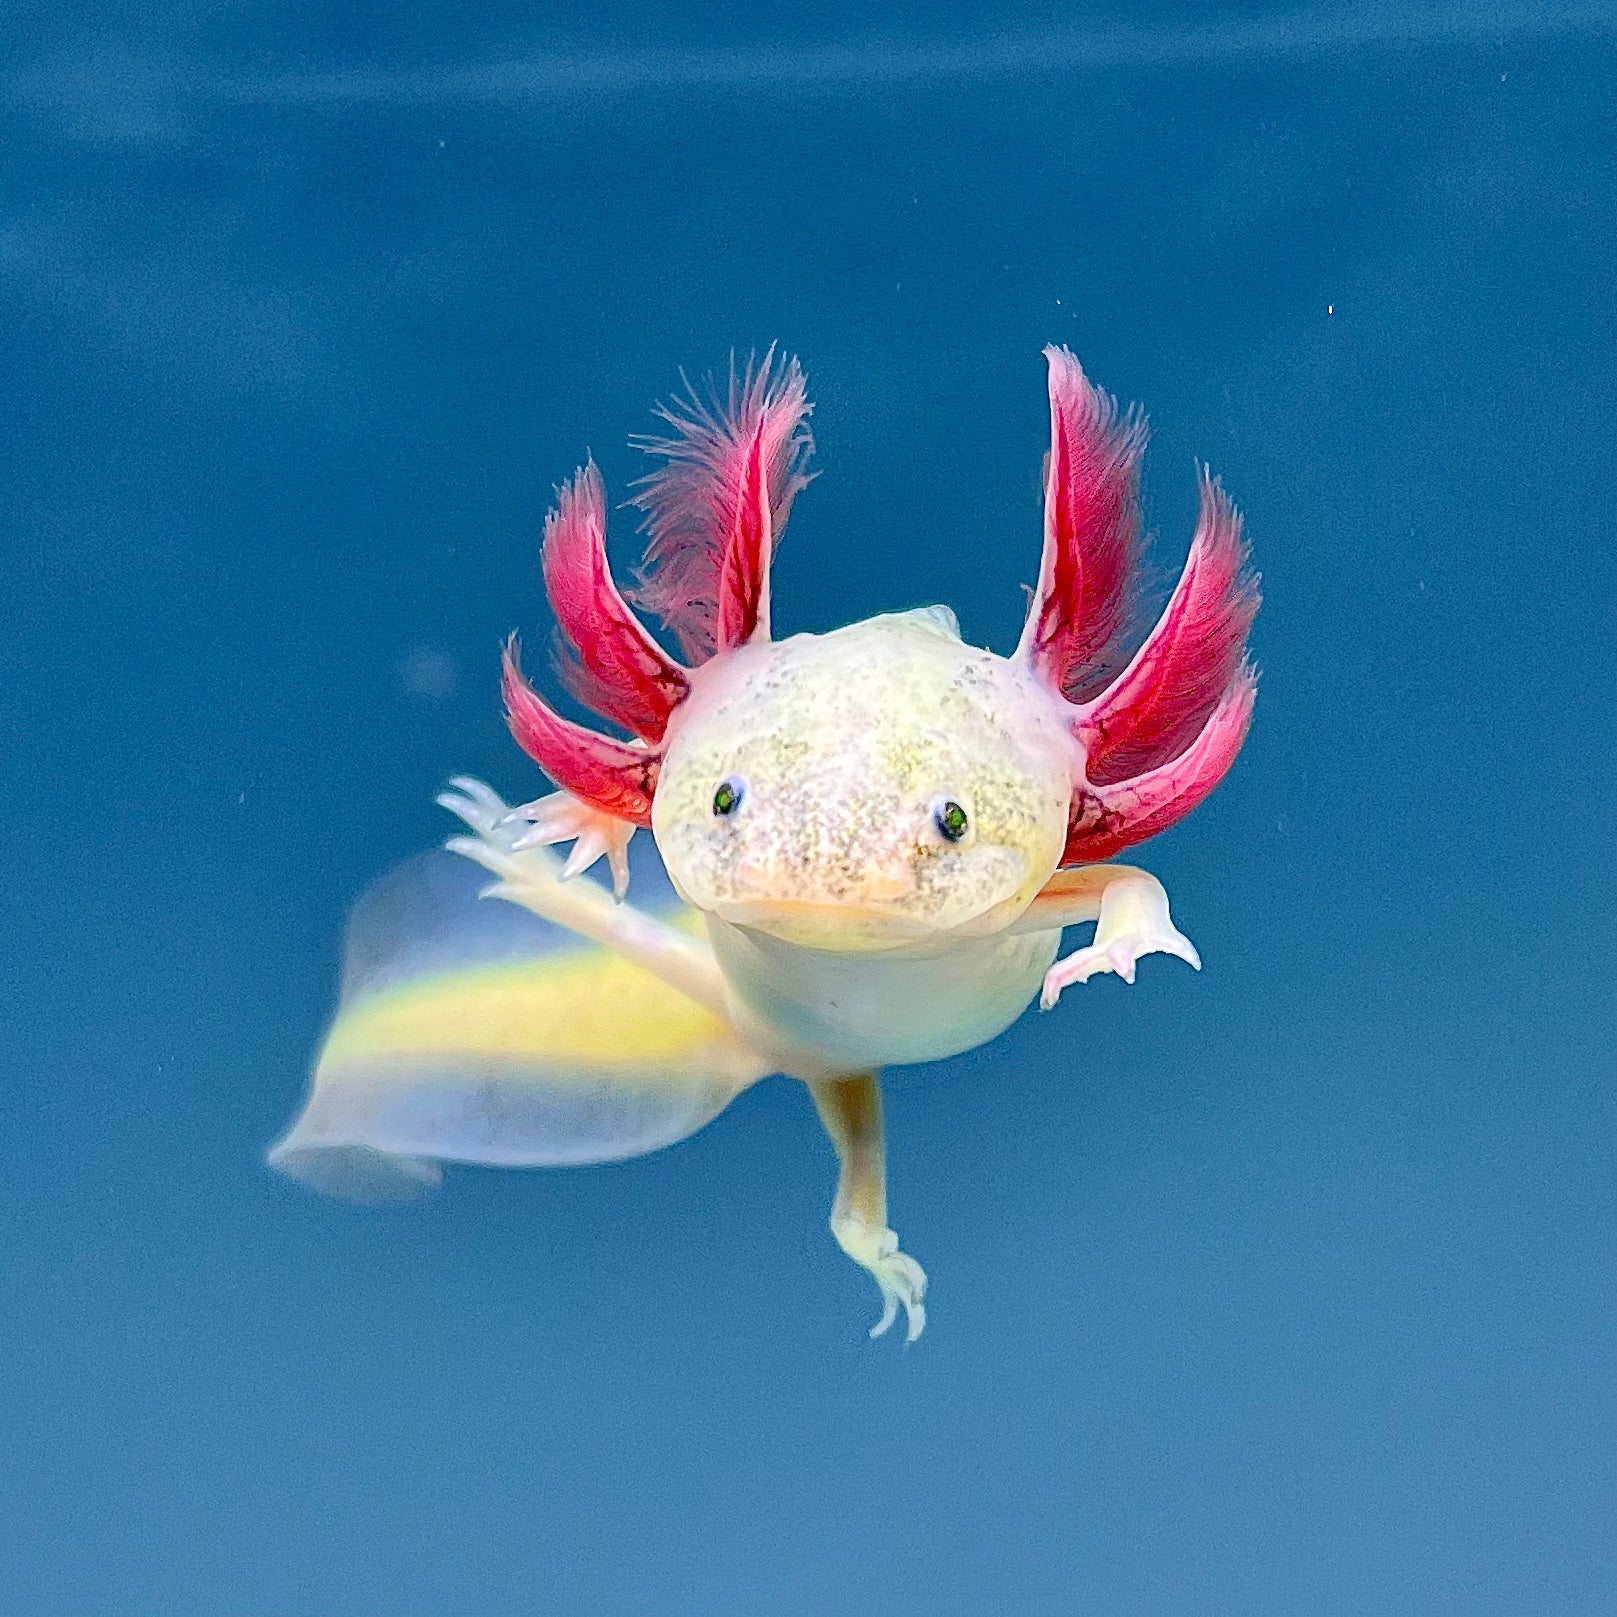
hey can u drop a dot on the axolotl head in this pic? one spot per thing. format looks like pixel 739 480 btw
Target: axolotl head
pixel 864 788
pixel 885 782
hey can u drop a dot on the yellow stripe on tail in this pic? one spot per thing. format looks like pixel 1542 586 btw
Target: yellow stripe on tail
pixel 470 1031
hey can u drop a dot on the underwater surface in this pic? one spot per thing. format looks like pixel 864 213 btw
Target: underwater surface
pixel 1285 1287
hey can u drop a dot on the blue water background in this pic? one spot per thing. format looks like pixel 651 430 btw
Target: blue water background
pixel 1285 1288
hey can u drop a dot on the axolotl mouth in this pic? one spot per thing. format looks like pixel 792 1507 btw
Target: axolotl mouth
pixel 829 926
pixel 866 923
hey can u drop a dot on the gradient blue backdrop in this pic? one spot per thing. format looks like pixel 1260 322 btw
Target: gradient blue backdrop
pixel 1281 1289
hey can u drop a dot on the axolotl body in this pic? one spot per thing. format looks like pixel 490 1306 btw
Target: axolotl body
pixel 874 836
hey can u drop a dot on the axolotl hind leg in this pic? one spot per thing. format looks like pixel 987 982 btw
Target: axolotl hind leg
pixel 850 1108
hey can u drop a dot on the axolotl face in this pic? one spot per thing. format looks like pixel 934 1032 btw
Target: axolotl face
pixel 866 789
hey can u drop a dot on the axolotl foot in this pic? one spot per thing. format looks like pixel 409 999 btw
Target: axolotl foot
pixel 594 834
pixel 901 1279
pixel 1134 921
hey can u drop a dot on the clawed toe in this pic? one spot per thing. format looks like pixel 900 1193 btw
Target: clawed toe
pixel 561 817
pixel 500 844
pixel 477 803
pixel 901 1279
pixel 903 1282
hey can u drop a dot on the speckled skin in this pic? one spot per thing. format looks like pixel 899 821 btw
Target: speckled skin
pixel 841 916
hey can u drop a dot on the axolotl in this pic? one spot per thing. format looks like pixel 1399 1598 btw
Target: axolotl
pixel 874 836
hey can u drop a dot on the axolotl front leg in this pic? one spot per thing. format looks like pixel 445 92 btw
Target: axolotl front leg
pixel 1130 909
pixel 849 1105
pixel 532 877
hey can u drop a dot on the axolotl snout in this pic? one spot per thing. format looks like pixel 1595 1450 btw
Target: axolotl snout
pixel 874 836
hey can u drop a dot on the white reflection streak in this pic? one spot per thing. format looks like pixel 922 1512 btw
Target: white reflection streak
pixel 116 93
pixel 563 76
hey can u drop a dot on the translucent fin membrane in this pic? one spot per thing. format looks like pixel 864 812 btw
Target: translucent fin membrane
pixel 471 1031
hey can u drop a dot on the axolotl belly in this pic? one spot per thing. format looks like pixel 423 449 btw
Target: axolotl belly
pixel 864 1011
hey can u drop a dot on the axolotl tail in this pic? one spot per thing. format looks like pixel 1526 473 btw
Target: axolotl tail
pixel 469 1030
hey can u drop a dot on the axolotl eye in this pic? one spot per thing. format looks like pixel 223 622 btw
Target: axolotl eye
pixel 727 799
pixel 951 820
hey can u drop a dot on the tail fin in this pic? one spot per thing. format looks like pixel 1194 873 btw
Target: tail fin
pixel 470 1031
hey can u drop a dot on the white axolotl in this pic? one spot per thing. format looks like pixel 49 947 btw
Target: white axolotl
pixel 874 836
